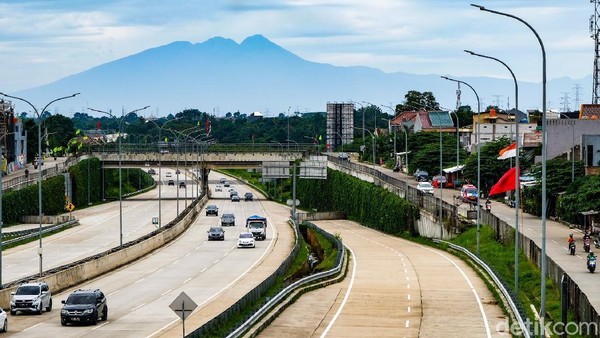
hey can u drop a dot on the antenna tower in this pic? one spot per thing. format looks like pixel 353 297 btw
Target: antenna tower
pixel 595 34
pixel 577 88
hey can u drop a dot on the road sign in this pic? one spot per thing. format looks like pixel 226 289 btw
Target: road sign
pixel 70 206
pixel 183 306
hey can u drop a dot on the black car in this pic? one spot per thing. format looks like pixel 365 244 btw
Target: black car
pixel 182 184
pixel 235 198
pixel 212 210
pixel 228 219
pixel 84 306
pixel 421 175
pixel 171 182
pixel 151 171
pixel 248 196
pixel 216 233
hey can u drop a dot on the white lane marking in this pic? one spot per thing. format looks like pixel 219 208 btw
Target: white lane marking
pixel 164 293
pixel 137 307
pixel 407 278
pixel 409 296
pixel 555 242
pixel 203 270
pixel 159 270
pixel 405 270
pixel 481 310
pixel 175 262
pixel 101 325
pixel 31 327
pixel 408 286
pixel 407 323
pixel 187 280
pixel 217 261
pixel 409 309
pixel 339 310
pixel 112 293
pixel 189 253
pixel 139 280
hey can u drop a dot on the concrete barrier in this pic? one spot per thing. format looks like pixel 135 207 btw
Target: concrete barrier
pixel 64 277
pixel 34 219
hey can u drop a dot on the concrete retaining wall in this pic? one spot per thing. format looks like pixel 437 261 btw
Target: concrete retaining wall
pixel 69 276
pixel 316 216
pixel 58 219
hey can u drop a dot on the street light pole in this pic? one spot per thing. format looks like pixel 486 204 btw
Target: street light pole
pixel 372 136
pixel 544 160
pixel 517 176
pixel 120 126
pixel 478 157
pixel 39 116
pixel 160 167
pixel 457 140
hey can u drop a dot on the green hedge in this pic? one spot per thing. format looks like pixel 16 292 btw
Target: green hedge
pixel 24 201
pixel 79 179
pixel 363 202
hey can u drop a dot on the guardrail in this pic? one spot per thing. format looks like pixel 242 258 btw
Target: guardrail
pixel 499 284
pixel 9 184
pixel 273 302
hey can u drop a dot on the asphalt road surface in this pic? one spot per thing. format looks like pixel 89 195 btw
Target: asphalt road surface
pixel 213 273
pixel 394 288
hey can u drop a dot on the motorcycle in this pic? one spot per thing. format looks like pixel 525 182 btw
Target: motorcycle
pixel 586 245
pixel 591 264
pixel 572 248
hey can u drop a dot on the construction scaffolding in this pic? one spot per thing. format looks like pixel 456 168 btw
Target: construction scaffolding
pixel 340 125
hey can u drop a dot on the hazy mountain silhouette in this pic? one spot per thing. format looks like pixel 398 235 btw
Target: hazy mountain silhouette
pixel 220 75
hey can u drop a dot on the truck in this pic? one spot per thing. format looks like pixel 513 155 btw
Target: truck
pixel 257 226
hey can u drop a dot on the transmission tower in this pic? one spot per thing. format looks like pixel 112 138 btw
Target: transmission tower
pixel 577 88
pixel 458 104
pixel 565 102
pixel 595 34
pixel 497 100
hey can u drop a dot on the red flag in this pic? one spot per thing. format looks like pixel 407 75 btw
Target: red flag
pixel 208 126
pixel 506 182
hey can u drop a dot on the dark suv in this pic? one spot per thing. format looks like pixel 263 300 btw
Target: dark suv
pixel 248 196
pixel 228 219
pixel 212 210
pixel 84 306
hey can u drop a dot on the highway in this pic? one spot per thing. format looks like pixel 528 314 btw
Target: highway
pixel 139 294
pixel 98 231
pixel 394 288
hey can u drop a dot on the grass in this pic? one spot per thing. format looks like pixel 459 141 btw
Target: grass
pixel 330 252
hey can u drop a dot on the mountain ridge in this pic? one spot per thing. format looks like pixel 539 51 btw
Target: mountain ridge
pixel 220 75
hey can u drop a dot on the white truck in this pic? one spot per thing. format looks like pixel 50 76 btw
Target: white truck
pixel 257 226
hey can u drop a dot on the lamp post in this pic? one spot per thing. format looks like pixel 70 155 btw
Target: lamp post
pixel 39 116
pixel 178 134
pixel 544 160
pixel 373 136
pixel 517 183
pixel 160 166
pixel 297 145
pixel 120 125
pixel 341 140
pixel 288 126
pixel 478 156
pixel 315 141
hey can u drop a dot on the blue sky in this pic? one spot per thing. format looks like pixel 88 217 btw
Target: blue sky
pixel 45 40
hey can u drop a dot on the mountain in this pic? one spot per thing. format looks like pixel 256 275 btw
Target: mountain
pixel 220 76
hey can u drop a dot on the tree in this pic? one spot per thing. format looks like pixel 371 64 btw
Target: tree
pixel 425 151
pixel 60 131
pixel 415 100
pixel 583 195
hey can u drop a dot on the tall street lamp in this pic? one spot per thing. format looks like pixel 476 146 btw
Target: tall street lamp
pixel 457 140
pixel 373 136
pixel 120 126
pixel 297 146
pixel 544 160
pixel 478 156
pixel 517 183
pixel 341 140
pixel 160 128
pixel 39 116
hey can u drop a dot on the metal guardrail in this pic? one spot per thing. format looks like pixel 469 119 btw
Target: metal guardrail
pixel 33 233
pixel 499 284
pixel 273 302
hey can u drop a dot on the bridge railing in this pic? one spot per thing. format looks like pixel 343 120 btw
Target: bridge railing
pixel 183 147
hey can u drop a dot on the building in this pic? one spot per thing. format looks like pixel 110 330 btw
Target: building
pixel 340 125
pixel 494 126
pixel 7 136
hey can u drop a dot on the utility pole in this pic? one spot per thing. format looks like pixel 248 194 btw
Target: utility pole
pixel 577 88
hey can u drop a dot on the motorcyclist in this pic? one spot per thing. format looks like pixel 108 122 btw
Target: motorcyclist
pixel 571 239
pixel 591 255
pixel 587 236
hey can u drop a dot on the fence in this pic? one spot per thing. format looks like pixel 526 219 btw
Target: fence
pixel 22 181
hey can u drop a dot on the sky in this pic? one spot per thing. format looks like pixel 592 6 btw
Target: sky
pixel 42 41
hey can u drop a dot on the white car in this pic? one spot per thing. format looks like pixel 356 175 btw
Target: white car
pixel 31 297
pixel 425 187
pixel 3 320
pixel 246 240
pixel 169 174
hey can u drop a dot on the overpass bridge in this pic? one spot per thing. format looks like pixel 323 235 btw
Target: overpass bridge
pixel 210 156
